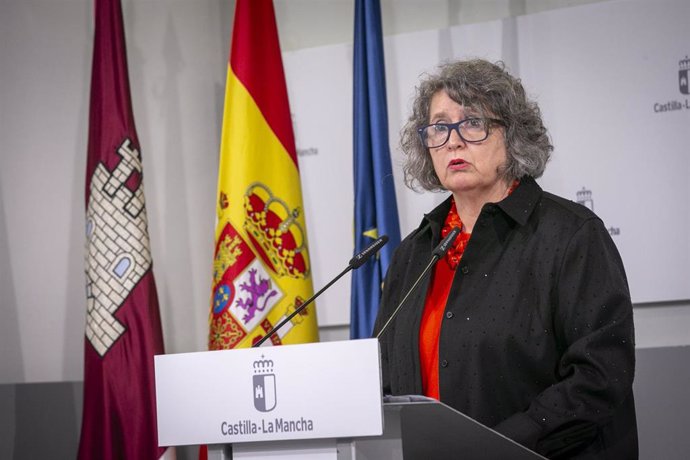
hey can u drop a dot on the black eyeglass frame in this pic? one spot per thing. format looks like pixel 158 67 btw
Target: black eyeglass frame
pixel 456 127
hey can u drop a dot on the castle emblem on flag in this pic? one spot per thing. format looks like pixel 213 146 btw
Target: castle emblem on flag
pixel 264 385
pixel 117 245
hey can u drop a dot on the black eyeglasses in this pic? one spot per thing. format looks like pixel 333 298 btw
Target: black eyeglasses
pixel 470 130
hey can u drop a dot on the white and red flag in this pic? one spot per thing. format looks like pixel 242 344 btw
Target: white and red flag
pixel 123 328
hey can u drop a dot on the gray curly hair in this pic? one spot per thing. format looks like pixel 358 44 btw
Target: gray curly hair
pixel 491 91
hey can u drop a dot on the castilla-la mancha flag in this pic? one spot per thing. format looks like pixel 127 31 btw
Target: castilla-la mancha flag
pixel 123 329
pixel 261 269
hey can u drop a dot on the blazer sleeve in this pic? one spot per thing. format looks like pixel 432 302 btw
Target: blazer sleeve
pixel 593 323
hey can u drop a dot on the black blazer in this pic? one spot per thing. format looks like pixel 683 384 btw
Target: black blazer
pixel 537 337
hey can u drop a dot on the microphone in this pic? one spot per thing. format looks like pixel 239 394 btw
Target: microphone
pixel 361 258
pixel 357 261
pixel 437 253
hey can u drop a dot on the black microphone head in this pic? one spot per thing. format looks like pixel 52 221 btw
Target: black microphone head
pixel 360 259
pixel 446 243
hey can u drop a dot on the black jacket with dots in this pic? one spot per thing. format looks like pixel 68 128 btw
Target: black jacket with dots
pixel 537 338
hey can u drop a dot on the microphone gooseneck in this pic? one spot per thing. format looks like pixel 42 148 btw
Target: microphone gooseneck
pixel 437 254
pixel 357 261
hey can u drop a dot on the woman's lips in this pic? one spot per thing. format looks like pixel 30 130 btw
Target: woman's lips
pixel 458 164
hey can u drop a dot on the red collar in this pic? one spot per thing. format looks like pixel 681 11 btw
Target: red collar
pixel 454 254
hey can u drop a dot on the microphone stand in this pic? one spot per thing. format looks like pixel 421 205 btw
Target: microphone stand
pixel 432 262
pixel 438 252
pixel 300 308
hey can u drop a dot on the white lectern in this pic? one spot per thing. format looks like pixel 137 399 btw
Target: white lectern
pixel 313 401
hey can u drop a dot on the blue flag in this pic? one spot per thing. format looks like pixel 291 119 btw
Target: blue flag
pixel 376 211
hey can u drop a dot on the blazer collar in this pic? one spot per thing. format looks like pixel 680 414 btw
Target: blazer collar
pixel 519 205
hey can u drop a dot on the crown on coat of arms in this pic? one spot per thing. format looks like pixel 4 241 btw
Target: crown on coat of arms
pixel 275 232
pixel 583 195
pixel 684 64
pixel 262 366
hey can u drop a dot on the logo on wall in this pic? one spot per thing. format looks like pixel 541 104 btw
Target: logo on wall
pixel 677 104
pixel 683 68
pixel 584 197
pixel 264 385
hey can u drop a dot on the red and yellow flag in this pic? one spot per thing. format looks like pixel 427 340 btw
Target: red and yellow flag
pixel 261 269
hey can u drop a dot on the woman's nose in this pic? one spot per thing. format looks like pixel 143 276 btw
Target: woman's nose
pixel 455 139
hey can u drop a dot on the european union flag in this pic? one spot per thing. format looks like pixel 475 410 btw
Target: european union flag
pixel 376 211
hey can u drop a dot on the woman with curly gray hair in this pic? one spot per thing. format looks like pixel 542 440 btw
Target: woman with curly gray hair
pixel 526 323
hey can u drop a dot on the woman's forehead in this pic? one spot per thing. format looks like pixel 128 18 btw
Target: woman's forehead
pixel 445 105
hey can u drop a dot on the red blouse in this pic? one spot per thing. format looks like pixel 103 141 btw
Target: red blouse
pixel 435 304
pixel 436 298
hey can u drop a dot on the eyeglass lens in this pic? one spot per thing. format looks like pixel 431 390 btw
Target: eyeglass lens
pixel 470 130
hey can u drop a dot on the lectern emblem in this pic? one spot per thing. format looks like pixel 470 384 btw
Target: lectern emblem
pixel 264 385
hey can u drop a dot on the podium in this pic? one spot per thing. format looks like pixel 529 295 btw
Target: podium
pixel 312 401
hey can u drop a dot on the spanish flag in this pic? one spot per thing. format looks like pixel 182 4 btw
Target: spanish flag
pixel 261 269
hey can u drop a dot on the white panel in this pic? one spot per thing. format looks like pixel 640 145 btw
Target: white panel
pixel 600 74
pixel 662 326
pixel 325 390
